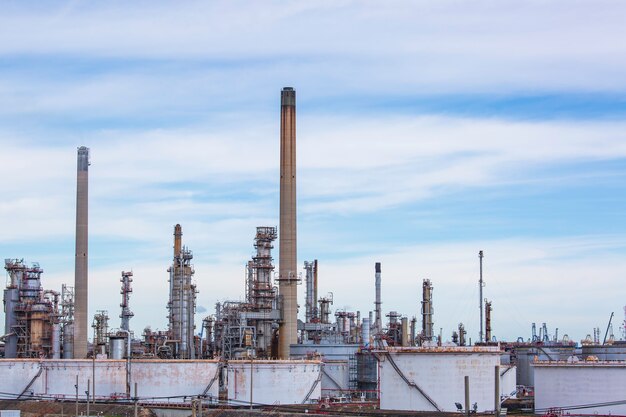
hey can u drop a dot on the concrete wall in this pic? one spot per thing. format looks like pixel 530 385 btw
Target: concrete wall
pixel 155 379
pixel 439 373
pixel 273 382
pixel 565 385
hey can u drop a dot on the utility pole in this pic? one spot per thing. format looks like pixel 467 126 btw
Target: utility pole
pixel 87 392
pixel 480 287
pixel 135 399
pixel 76 386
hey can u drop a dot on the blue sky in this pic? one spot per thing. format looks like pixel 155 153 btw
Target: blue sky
pixel 426 131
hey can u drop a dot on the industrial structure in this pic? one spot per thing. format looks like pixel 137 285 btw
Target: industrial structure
pixel 253 344
pixel 182 301
pixel 81 281
pixel 288 276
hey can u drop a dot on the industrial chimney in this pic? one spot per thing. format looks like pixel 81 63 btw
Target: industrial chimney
pixel 81 284
pixel 287 271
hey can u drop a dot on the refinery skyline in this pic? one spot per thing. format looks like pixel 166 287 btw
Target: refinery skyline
pixel 425 134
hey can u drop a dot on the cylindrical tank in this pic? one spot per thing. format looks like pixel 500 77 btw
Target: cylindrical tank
pixel 68 341
pixel 405 331
pixel 614 352
pixel 56 341
pixel 38 327
pixel 117 346
pixel 11 298
pixel 365 333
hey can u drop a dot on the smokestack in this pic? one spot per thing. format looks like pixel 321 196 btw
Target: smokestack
pixel 378 326
pixel 81 283
pixel 178 234
pixel 287 274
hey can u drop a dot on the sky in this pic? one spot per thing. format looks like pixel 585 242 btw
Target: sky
pixel 427 131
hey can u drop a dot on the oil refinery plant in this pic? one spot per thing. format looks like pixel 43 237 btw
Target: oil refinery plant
pixel 253 352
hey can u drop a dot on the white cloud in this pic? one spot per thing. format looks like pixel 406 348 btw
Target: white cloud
pixel 358 46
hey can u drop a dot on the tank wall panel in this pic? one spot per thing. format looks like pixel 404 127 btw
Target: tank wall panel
pixel 285 382
pixel 567 385
pixel 508 380
pixel 441 377
pixel 336 377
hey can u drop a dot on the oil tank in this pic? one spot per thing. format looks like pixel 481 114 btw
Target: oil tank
pixel 116 347
pixel 614 352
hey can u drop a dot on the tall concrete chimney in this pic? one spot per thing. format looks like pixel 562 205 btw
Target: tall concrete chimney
pixel 287 271
pixel 81 284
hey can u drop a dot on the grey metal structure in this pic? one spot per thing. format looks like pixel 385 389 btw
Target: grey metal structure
pixel 182 300
pixel 126 315
pixel 101 332
pixel 67 321
pixel 248 328
pixel 287 272
pixel 81 282
pixel 311 310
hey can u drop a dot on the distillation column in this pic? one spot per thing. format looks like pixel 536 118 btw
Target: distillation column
pixel 127 278
pixel 427 310
pixel 378 324
pixel 311 291
pixel 182 299
pixel 287 273
pixel 81 284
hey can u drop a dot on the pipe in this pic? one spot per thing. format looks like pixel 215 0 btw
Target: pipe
pixel 497 391
pixel 81 282
pixel 467 395
pixel 287 274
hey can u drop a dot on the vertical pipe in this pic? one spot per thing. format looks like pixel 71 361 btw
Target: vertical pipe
pixel 87 392
pixel 136 399
pixel 497 391
pixel 480 288
pixel 81 284
pixel 287 274
pixel 467 396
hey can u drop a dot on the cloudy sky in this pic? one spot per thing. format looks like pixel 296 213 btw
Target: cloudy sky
pixel 427 131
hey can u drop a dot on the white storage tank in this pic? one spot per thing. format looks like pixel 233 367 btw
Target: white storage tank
pixel 432 379
pixel 585 387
